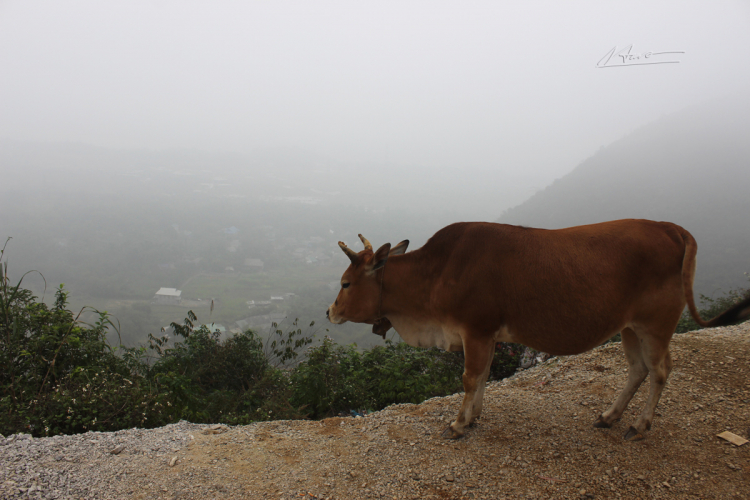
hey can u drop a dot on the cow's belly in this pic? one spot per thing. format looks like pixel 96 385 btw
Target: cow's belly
pixel 427 333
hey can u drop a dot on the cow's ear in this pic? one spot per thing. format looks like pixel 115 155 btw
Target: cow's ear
pixel 399 249
pixel 380 257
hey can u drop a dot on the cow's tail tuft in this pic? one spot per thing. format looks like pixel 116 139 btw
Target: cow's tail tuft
pixel 735 314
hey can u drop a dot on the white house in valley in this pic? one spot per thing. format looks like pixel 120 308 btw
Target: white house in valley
pixel 168 296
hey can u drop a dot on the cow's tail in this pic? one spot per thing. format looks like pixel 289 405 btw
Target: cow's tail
pixel 735 314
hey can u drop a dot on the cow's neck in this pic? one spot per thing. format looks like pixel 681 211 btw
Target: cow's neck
pixel 405 286
pixel 406 302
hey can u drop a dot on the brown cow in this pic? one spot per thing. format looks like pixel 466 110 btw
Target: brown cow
pixel 563 291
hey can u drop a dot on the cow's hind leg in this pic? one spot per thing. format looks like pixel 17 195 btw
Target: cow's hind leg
pixel 655 351
pixel 637 372
pixel 477 361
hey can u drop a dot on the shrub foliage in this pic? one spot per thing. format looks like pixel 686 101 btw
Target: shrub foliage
pixel 335 379
pixel 61 376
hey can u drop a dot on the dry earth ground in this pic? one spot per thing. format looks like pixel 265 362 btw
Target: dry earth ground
pixel 535 440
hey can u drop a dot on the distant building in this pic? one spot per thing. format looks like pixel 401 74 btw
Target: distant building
pixel 168 296
pixel 254 264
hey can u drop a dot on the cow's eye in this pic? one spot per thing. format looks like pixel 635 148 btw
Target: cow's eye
pixel 345 285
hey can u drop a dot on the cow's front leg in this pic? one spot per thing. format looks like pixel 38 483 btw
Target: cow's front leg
pixel 477 361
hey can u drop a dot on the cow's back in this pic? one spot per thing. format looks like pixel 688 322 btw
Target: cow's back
pixel 562 291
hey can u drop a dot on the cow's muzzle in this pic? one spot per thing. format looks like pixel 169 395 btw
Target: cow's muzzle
pixel 333 317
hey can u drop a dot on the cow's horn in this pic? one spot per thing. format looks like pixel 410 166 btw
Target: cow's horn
pixel 367 244
pixel 348 251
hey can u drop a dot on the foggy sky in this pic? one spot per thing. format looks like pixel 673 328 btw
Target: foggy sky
pixel 493 86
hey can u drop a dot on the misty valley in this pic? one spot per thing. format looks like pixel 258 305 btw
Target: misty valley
pixel 238 263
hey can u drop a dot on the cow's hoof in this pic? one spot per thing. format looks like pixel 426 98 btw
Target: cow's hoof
pixel 601 424
pixel 449 433
pixel 632 435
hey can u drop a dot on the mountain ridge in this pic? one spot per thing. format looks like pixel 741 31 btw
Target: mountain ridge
pixel 691 168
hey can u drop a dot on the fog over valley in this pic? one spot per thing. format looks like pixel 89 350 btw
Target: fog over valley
pixel 222 150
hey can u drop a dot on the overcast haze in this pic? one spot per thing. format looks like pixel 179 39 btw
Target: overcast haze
pixel 490 86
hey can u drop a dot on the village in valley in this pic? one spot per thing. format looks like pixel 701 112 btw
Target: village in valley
pixel 270 263
pixel 257 322
pixel 241 246
pixel 254 277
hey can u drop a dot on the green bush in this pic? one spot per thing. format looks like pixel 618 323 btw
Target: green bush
pixel 60 375
pixel 506 361
pixel 101 400
pixel 236 380
pixel 327 382
pixel 335 379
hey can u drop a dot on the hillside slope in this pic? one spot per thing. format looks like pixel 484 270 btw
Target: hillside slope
pixel 691 168
pixel 535 440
